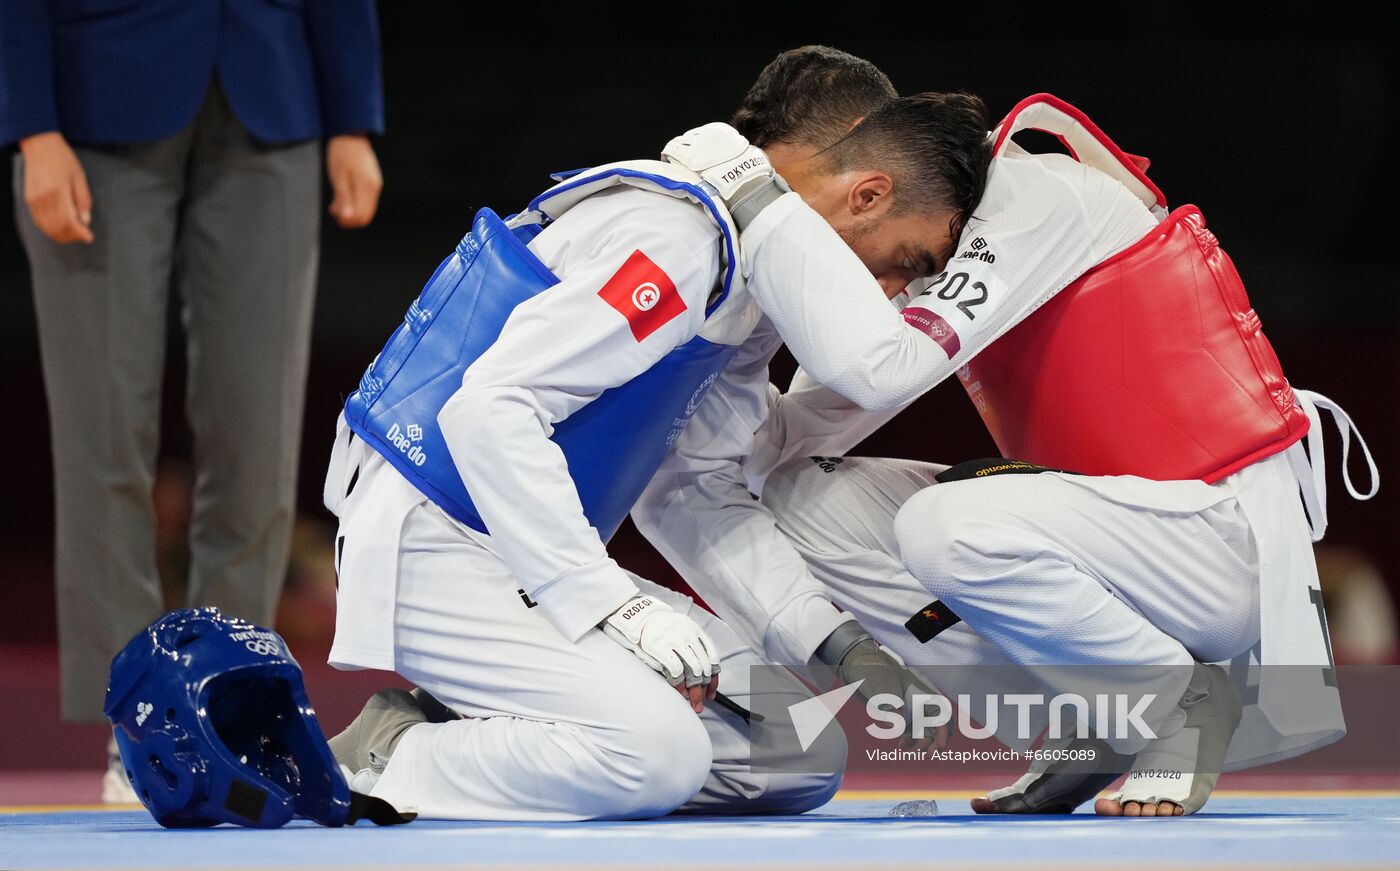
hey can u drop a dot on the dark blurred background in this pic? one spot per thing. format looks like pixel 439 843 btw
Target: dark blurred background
pixel 1279 129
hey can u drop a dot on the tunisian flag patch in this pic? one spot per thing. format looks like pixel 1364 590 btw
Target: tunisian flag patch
pixel 644 294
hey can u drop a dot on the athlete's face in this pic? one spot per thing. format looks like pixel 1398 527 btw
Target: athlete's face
pixel 896 246
pixel 899 248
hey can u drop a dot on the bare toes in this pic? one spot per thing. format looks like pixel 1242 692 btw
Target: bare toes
pixel 983 806
pixel 1132 809
pixel 1107 807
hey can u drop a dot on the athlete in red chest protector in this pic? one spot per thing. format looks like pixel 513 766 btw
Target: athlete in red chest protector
pixel 1152 363
pixel 1096 332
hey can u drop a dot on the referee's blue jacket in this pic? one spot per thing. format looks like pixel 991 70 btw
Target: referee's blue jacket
pixel 114 71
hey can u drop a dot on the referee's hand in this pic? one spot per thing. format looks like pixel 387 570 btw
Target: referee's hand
pixel 355 179
pixel 56 188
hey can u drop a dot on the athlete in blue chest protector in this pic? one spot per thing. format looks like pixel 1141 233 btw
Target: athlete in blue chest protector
pixel 509 425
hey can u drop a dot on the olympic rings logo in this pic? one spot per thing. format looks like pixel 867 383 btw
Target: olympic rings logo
pixel 263 646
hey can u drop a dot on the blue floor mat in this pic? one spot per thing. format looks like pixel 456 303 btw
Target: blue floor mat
pixel 1238 831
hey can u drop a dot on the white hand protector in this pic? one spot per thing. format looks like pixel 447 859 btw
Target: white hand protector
pixel 725 160
pixel 665 640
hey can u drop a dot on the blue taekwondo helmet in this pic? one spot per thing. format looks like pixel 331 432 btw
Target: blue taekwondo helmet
pixel 214 726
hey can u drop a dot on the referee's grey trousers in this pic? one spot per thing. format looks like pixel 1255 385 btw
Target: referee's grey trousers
pixel 232 226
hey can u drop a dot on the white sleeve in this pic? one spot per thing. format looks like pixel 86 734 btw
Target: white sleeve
pixel 557 352
pixel 808 420
pixel 1031 238
pixel 698 513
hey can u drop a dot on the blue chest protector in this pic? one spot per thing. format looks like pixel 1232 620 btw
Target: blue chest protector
pixel 613 445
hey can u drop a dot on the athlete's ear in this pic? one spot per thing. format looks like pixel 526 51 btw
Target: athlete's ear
pixel 871 194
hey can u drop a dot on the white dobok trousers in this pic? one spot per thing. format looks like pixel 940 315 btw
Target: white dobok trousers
pixel 1064 570
pixel 554 730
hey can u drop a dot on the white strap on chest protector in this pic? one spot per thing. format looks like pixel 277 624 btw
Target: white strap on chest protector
pixel 1086 143
pixel 1311 468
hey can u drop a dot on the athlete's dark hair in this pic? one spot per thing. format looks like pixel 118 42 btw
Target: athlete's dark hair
pixel 933 145
pixel 810 95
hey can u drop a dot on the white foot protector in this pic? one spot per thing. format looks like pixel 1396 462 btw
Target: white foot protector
pixel 116 789
pixel 363 780
pixel 1183 767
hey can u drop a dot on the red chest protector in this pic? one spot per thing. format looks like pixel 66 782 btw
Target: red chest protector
pixel 1151 364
